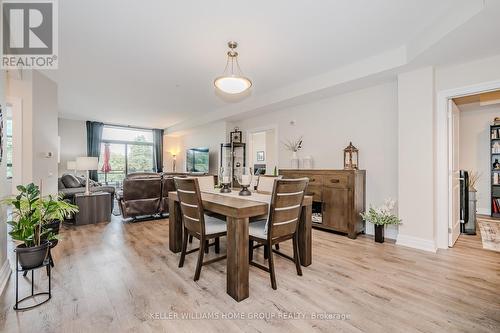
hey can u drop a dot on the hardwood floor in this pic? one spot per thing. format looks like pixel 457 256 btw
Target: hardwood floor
pixel 121 277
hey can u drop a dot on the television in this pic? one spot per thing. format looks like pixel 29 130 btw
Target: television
pixel 197 160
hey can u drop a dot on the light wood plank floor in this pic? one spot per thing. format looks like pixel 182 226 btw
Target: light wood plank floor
pixel 118 277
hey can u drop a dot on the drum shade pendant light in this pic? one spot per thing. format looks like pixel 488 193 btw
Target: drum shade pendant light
pixel 232 80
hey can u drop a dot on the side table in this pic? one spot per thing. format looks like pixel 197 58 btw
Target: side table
pixel 93 208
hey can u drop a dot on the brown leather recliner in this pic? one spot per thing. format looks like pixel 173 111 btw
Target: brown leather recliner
pixel 141 195
pixel 146 193
pixel 168 185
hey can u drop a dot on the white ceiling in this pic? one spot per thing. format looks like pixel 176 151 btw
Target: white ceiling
pixel 152 63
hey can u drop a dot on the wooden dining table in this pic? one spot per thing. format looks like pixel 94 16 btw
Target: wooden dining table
pixel 238 212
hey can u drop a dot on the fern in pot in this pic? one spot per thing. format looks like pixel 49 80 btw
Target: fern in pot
pixel 34 223
pixel 380 217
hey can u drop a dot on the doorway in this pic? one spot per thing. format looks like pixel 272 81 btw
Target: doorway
pixel 13 148
pixel 263 151
pixel 474 169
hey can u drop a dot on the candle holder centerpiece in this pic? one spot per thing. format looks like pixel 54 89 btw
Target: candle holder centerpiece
pixel 245 180
pixel 225 180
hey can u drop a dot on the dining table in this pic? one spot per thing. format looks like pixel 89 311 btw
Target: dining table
pixel 238 211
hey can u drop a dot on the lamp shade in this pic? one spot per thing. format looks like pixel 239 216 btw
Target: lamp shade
pixel 71 165
pixel 87 163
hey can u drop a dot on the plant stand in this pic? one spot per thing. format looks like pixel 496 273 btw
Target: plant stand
pixel 379 233
pixel 47 264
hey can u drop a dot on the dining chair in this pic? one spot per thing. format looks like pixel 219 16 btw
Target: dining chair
pixel 206 183
pixel 196 223
pixel 281 224
pixel 265 183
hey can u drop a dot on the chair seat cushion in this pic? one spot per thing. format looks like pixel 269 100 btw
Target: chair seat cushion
pixel 258 229
pixel 214 225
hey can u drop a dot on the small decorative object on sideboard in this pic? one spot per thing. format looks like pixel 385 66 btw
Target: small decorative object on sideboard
pixel 380 217
pixel 351 157
pixel 307 162
pixel 294 146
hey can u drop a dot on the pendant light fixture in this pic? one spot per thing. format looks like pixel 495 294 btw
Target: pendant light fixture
pixel 232 80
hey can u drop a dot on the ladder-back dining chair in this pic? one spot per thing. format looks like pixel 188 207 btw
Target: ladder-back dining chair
pixel 281 224
pixel 265 183
pixel 196 223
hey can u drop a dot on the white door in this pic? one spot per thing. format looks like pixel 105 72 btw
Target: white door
pixel 454 122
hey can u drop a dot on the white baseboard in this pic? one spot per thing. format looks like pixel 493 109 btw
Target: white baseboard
pixel 5 271
pixel 416 243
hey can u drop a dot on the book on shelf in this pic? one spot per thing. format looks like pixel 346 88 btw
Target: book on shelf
pixel 496 205
pixel 495 133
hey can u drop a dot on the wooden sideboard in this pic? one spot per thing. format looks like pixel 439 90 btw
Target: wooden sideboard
pixel 339 195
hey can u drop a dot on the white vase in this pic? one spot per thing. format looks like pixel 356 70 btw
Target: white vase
pixel 294 162
pixel 307 162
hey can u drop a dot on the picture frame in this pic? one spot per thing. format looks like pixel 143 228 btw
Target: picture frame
pixel 261 156
pixel 235 137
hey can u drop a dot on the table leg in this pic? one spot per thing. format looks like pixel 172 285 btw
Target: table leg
pixel 237 258
pixel 174 226
pixel 305 236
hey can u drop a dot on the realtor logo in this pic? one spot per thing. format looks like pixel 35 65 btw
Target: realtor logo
pixel 29 34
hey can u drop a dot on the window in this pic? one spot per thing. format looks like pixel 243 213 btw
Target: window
pixel 129 150
pixel 8 150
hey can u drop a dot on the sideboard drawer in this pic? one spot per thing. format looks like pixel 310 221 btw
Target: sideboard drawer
pixel 313 179
pixel 337 180
pixel 316 191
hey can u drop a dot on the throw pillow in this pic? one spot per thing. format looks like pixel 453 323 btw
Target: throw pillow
pixel 70 181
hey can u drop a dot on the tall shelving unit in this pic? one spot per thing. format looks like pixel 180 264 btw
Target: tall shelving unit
pixel 233 157
pixel 495 179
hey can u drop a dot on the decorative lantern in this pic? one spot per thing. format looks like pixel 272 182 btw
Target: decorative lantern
pixel 350 157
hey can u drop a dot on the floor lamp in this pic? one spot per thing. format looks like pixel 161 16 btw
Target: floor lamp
pixel 71 165
pixel 87 164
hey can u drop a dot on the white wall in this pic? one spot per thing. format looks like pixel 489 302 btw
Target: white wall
pixel 416 158
pixel 468 74
pixel 209 135
pixel 73 135
pixel 367 117
pixel 20 88
pixel 270 151
pixel 45 132
pixel 38 95
pixel 474 152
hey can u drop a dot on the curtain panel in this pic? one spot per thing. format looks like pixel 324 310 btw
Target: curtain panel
pixel 94 136
pixel 158 149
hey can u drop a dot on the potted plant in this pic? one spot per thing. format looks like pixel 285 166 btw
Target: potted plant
pixel 34 219
pixel 380 217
